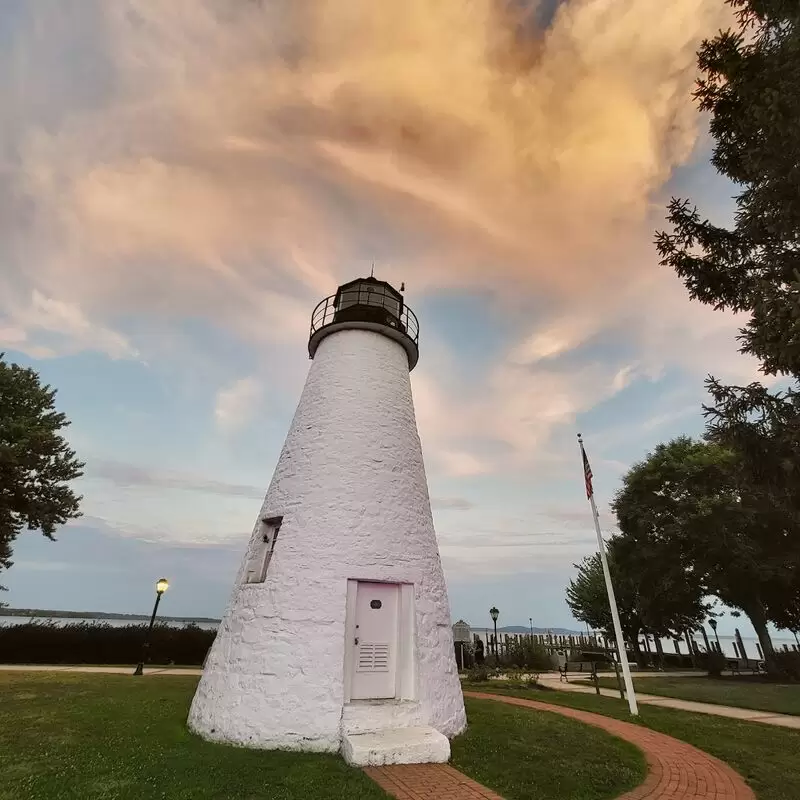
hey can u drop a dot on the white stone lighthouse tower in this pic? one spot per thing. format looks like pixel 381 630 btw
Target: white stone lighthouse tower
pixel 337 634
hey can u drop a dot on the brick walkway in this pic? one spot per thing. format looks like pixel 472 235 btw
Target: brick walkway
pixel 677 771
pixel 428 782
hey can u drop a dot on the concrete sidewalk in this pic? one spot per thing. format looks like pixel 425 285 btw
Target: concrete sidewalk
pixel 635 673
pixel 747 714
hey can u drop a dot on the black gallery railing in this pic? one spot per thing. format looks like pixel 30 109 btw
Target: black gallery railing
pixel 365 306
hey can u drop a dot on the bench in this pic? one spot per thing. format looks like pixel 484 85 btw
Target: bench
pixel 583 667
pixel 734 665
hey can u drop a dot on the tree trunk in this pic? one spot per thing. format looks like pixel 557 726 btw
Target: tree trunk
pixel 650 660
pixel 637 651
pixel 758 617
pixel 659 650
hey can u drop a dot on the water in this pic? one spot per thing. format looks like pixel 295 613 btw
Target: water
pixel 113 622
pixel 726 643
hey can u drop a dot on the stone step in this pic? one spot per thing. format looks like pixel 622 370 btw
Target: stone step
pixel 368 716
pixel 414 745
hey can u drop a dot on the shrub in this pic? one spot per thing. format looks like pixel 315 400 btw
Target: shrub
pixel 676 661
pixel 478 674
pixel 525 654
pixel 713 662
pixel 532 680
pixel 789 664
pixel 86 643
pixel 521 678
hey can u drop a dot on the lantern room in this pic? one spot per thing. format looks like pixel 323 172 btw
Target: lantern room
pixel 366 304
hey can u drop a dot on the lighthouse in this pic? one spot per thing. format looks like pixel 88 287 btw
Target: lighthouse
pixel 337 635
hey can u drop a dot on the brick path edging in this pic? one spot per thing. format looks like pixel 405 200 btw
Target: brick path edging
pixel 676 770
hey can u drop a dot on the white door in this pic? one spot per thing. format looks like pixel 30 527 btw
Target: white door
pixel 375 641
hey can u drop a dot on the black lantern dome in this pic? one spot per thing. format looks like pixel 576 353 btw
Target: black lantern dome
pixel 366 304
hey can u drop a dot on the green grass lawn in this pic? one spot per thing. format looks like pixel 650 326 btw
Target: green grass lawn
pixel 745 692
pixel 70 736
pixel 115 737
pixel 766 756
pixel 526 755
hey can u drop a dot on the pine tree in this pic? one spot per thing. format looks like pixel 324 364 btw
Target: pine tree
pixel 750 85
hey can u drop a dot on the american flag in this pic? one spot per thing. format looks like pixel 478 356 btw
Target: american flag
pixel 587 473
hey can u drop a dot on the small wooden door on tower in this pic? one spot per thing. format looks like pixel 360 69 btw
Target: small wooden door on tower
pixel 375 641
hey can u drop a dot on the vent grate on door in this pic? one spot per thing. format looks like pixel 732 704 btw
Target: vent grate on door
pixel 373 657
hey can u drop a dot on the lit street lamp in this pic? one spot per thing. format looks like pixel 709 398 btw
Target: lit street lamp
pixel 494 614
pixel 161 586
pixel 713 624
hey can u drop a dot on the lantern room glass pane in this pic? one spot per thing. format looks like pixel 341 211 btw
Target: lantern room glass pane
pixel 390 303
pixel 368 294
pixel 347 299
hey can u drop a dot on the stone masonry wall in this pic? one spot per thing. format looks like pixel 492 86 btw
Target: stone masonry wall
pixel 350 484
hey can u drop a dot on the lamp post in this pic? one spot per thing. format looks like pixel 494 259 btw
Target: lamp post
pixel 494 614
pixel 161 586
pixel 530 619
pixel 713 624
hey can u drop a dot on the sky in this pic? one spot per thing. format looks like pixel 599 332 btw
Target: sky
pixel 182 182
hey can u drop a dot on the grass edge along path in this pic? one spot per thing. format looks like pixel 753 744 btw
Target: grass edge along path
pixel 751 693
pixel 765 756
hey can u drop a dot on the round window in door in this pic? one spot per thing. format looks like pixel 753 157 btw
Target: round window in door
pixel 375 604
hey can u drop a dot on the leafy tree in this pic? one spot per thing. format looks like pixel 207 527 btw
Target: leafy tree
pixel 786 615
pixel 655 593
pixel 688 498
pixel 670 594
pixel 36 463
pixel 588 599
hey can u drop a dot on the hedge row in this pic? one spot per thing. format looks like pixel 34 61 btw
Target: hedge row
pixel 86 643
pixel 674 661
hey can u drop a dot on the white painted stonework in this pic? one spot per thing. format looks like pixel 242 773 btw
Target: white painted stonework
pixel 421 745
pixel 350 487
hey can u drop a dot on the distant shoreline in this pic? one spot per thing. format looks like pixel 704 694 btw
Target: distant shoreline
pixel 44 613
pixel 53 614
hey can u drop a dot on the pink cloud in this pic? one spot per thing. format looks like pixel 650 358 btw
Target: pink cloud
pixel 220 159
pixel 242 159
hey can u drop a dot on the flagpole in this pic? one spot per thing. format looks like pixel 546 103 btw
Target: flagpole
pixel 612 600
